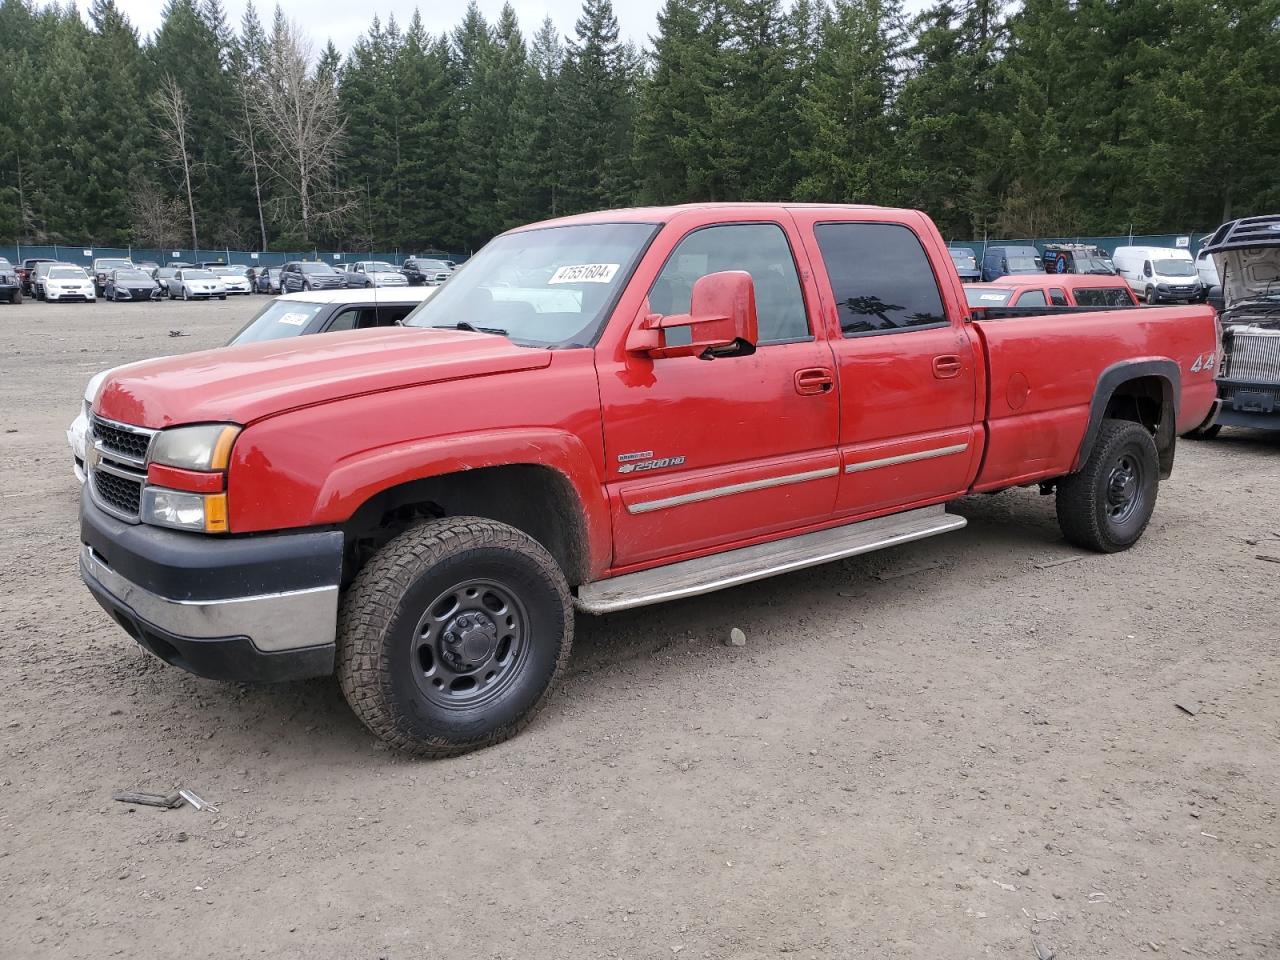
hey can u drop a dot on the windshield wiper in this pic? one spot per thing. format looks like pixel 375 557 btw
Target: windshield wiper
pixel 470 328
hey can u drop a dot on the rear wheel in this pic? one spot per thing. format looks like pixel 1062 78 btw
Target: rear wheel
pixel 1107 504
pixel 452 636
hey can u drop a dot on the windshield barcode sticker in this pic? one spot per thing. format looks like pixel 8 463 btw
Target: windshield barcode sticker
pixel 294 319
pixel 585 273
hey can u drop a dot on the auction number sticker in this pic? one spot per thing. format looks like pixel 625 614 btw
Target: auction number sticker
pixel 585 273
pixel 295 319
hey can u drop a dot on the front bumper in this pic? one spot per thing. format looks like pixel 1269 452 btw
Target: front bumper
pixel 260 608
pixel 57 296
pixel 1247 404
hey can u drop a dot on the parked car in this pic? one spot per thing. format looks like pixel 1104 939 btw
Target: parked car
pixel 1207 270
pixel 295 315
pixel 1246 255
pixel 103 266
pixel 966 262
pixel 419 270
pixel 26 273
pixel 235 278
pixel 59 282
pixel 130 284
pixel 309 275
pixel 10 282
pixel 1005 261
pixel 420 508
pixel 1160 274
pixel 374 273
pixel 163 276
pixel 146 266
pixel 1032 291
pixel 1077 258
pixel 194 283
pixel 267 280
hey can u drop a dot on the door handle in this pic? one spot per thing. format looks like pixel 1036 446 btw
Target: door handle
pixel 946 367
pixel 814 380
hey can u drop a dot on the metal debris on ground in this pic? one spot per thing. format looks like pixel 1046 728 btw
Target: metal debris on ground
pixel 1189 707
pixel 178 333
pixel 1269 559
pixel 196 802
pixel 1042 953
pixel 1045 565
pixel 168 801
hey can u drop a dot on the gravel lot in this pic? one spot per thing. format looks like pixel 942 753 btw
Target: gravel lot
pixel 965 747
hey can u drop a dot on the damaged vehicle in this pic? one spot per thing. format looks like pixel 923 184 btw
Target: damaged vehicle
pixel 1246 253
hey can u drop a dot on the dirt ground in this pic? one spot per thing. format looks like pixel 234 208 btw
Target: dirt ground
pixel 965 747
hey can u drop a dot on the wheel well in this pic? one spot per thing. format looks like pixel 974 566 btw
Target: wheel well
pixel 1147 400
pixel 534 499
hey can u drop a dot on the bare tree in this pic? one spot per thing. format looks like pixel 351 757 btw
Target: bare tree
pixel 298 107
pixel 171 105
pixel 156 218
pixel 247 145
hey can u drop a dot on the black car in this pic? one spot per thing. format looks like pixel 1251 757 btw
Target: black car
pixel 130 284
pixel 309 275
pixel 10 285
pixel 26 273
pixel 423 270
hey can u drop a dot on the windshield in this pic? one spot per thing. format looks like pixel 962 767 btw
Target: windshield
pixel 964 257
pixel 66 273
pixel 166 272
pixel 1022 265
pixel 540 287
pixel 197 275
pixel 111 264
pixel 986 296
pixel 227 272
pixel 1175 268
pixel 132 276
pixel 277 320
pixel 379 267
pixel 5 264
pixel 315 268
pixel 1095 265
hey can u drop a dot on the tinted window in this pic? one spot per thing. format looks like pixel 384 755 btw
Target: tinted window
pixel 1032 298
pixel 1059 297
pixel 362 318
pixel 881 277
pixel 761 249
pixel 1104 297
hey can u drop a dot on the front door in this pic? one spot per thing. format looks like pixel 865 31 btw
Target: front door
pixel 700 453
pixel 908 381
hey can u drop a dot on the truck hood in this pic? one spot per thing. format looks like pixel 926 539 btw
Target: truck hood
pixel 251 381
pixel 1248 273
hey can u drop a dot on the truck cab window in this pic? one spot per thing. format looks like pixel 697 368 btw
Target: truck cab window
pixel 1032 298
pixel 761 249
pixel 881 278
pixel 1058 296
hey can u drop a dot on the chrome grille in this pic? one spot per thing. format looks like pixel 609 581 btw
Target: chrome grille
pixel 118 466
pixel 1252 355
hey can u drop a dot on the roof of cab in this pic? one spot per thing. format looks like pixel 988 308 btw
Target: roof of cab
pixel 1072 280
pixel 663 214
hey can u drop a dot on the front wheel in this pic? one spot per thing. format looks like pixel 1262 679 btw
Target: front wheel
pixel 1107 504
pixel 186 294
pixel 1150 296
pixel 452 636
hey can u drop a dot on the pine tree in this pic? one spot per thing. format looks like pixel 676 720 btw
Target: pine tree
pixel 529 176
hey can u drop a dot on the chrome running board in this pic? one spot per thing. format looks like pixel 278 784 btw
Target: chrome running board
pixel 719 570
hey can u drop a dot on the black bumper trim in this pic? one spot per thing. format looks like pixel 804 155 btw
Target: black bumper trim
pixel 196 566
pixel 222 658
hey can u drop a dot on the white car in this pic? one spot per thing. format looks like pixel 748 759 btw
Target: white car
pixel 196 283
pixel 297 314
pixel 234 277
pixel 374 273
pixel 66 282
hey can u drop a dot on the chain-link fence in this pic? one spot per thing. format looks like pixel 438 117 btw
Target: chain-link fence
pixel 84 255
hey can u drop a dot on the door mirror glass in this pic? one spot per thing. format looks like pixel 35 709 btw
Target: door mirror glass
pixel 721 321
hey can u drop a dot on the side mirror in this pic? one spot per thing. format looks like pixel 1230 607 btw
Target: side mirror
pixel 721 321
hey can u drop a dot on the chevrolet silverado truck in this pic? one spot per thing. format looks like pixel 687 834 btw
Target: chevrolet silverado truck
pixel 601 412
pixel 1246 253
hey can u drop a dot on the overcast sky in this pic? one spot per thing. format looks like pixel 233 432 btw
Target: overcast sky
pixel 344 20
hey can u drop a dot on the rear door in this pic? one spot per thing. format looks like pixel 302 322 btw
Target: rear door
pixel 701 453
pixel 908 372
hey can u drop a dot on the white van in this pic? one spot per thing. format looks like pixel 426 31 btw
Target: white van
pixel 1159 274
pixel 1207 269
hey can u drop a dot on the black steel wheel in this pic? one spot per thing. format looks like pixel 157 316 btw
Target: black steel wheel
pixel 1107 504
pixel 453 635
pixel 1151 296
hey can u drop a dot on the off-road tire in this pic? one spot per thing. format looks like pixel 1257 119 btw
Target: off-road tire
pixel 378 623
pixel 1082 500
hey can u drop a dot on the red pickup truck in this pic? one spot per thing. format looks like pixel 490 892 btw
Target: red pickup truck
pixel 601 412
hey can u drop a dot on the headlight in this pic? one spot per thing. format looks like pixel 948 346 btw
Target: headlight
pixel 206 513
pixel 203 447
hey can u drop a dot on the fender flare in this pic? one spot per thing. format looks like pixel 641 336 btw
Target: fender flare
pixel 362 476
pixel 1170 377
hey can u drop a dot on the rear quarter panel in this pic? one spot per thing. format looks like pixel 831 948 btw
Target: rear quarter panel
pixel 1044 373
